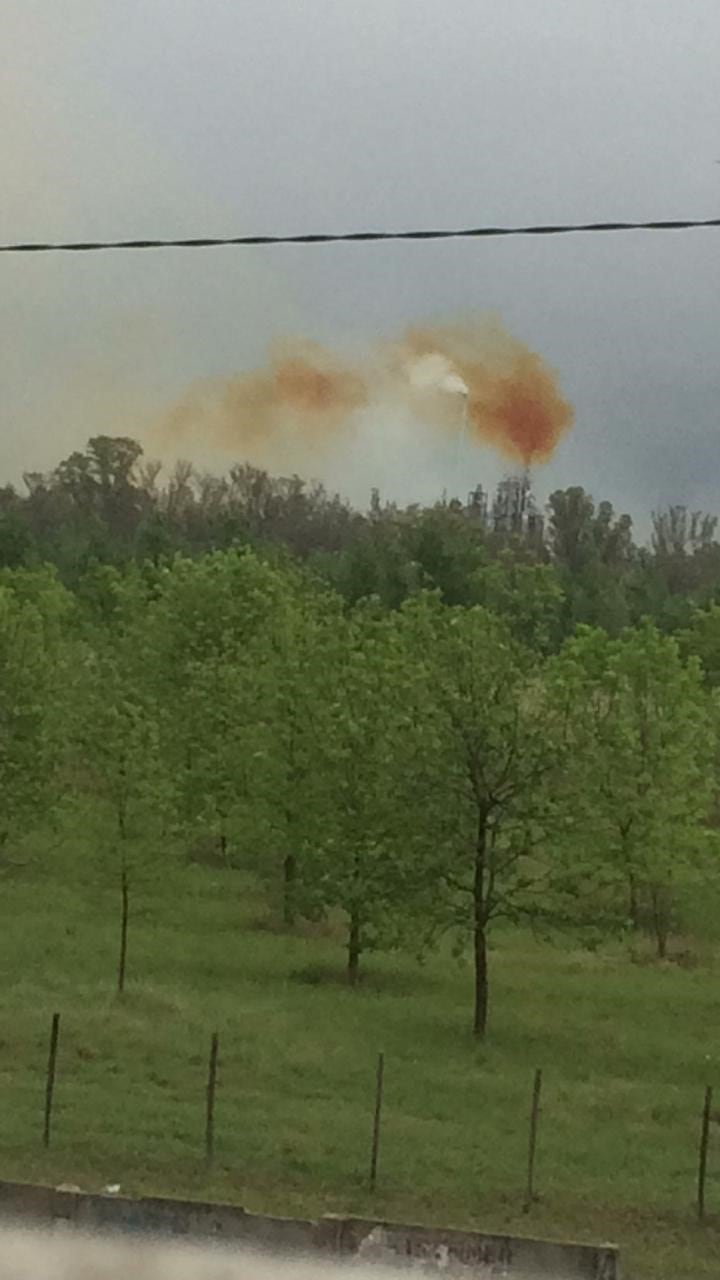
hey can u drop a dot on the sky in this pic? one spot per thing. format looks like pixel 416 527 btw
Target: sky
pixel 222 117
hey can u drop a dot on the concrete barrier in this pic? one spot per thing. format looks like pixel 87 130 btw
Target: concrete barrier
pixel 461 1253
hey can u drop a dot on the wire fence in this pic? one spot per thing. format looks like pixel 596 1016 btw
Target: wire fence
pixel 379 1106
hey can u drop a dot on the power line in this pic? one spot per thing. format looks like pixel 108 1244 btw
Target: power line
pixel 351 237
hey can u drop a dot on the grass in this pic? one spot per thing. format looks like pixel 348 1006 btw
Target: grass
pixel 626 1051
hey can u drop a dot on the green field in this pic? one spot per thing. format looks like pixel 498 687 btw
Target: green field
pixel 626 1048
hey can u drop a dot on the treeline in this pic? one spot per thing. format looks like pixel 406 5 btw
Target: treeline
pixel 418 771
pixel 107 506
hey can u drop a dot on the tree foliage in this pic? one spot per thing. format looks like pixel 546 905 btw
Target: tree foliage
pixel 639 779
pixel 411 722
pixel 490 750
pixel 28 728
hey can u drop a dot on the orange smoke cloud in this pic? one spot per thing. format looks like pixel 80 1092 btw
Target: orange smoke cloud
pixel 306 392
pixel 513 399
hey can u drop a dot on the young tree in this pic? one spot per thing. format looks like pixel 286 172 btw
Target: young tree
pixel 119 779
pixel 29 709
pixel 222 723
pixel 303 649
pixel 210 634
pixel 488 749
pixel 640 774
pixel 367 857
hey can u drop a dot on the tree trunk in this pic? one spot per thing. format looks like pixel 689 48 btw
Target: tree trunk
pixel 481 983
pixel 479 934
pixel 354 948
pixel 125 914
pixel 289 886
pixel 661 922
pixel 633 905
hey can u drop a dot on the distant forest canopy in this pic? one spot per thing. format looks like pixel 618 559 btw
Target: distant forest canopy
pixel 110 506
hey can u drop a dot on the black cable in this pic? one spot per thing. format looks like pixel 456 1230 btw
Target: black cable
pixel 471 233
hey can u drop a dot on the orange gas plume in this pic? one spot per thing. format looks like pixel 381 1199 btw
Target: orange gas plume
pixel 446 375
pixel 305 390
pixel 513 399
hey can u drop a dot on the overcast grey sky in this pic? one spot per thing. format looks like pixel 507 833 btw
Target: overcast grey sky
pixel 193 117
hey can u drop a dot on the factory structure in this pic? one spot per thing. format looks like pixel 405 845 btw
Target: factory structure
pixel 512 511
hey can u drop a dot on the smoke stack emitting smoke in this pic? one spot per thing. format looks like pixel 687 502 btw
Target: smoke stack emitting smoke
pixel 475 374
